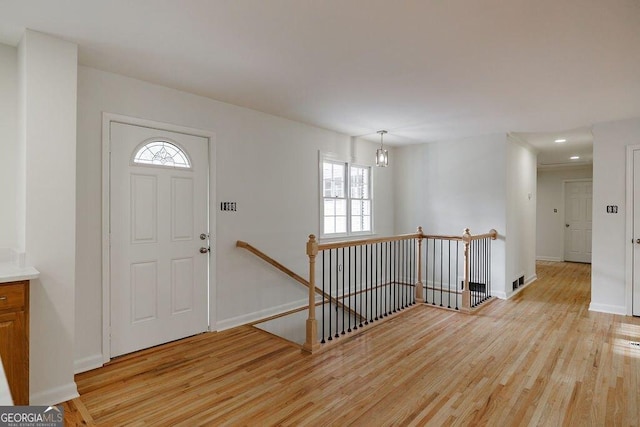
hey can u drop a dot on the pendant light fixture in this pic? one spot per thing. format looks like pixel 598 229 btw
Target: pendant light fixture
pixel 382 155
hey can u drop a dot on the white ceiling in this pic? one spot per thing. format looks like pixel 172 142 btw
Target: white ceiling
pixel 424 70
pixel 570 144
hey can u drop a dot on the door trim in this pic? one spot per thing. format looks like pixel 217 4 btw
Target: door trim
pixel 564 211
pixel 107 119
pixel 628 274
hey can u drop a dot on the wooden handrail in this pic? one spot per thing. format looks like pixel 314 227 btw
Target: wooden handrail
pixel 441 237
pixel 493 234
pixel 296 277
pixel 371 241
pixel 273 262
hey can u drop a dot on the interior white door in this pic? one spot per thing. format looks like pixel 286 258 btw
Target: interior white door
pixel 578 204
pixel 158 211
pixel 636 234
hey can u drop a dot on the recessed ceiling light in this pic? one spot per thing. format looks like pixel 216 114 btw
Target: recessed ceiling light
pixel 560 141
pixel 574 157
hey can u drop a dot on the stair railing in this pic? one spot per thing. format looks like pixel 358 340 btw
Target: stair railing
pixel 375 279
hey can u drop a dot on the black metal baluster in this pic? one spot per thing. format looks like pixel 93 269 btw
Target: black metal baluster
pixel 479 271
pixel 486 269
pixel 404 274
pixel 392 273
pixel 426 270
pixel 380 288
pixel 414 274
pixel 336 334
pixel 349 291
pixel 371 266
pixel 473 272
pixel 379 310
pixel 457 270
pixel 323 302
pixel 387 258
pixel 407 273
pixel 360 289
pixel 366 284
pixel 344 267
pixel 378 279
pixel 433 279
pixel 410 271
pixel 330 290
pixel 441 268
pixel 482 273
pixel 398 278
pixel 396 288
pixel 383 283
pixel 449 273
pixel 474 246
pixel 389 277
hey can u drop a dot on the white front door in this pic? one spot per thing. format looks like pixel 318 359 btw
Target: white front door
pixel 636 234
pixel 158 215
pixel 577 215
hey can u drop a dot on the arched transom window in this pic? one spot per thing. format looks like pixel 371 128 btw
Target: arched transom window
pixel 162 153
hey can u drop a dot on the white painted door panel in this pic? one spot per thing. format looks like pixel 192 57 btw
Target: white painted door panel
pixel 636 234
pixel 578 204
pixel 159 278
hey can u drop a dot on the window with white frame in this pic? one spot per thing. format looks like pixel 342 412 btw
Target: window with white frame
pixel 346 205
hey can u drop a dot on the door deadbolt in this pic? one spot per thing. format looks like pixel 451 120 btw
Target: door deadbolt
pixel 566 225
pixel 638 241
pixel 203 236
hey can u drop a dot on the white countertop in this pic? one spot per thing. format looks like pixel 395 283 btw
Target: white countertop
pixel 10 272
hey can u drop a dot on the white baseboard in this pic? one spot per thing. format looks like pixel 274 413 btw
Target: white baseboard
pixel 55 396
pixel 499 294
pixel 87 363
pixel 606 308
pixel 527 282
pixel 548 258
pixel 221 325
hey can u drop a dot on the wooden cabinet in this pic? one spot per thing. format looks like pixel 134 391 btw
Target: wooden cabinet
pixel 14 338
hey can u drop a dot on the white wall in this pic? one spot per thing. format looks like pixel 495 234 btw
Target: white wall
pixel 8 146
pixel 48 73
pixel 550 224
pixel 450 185
pixel 268 165
pixel 610 241
pixel 521 213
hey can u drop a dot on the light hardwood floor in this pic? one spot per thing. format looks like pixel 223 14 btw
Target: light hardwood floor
pixel 540 358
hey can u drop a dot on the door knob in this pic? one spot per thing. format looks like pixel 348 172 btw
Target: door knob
pixel 638 241
pixel 204 250
pixel 566 225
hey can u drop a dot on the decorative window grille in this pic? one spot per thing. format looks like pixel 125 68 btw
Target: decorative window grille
pixel 360 199
pixel 346 199
pixel 162 153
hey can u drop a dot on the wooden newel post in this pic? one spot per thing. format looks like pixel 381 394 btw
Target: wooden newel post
pixel 419 284
pixel 466 292
pixel 311 342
